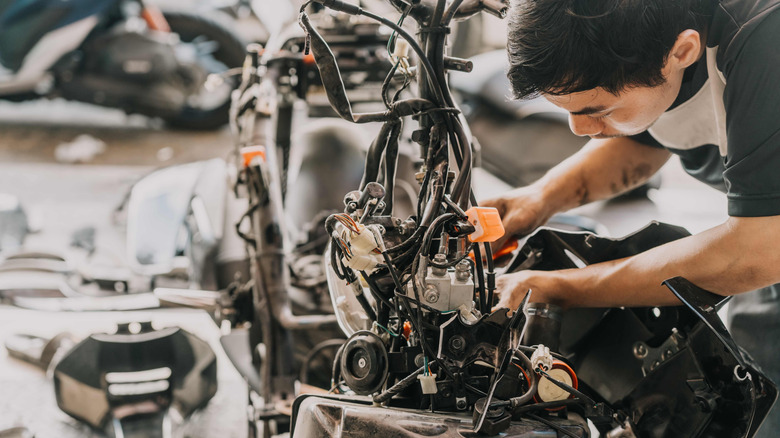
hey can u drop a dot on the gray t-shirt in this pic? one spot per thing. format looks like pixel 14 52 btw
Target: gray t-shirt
pixel 725 122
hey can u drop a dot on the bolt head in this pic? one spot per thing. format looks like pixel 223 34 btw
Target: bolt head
pixel 640 351
pixel 431 294
pixel 457 343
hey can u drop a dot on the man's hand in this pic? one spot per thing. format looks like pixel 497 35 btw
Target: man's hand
pixel 522 211
pixel 735 257
pixel 513 287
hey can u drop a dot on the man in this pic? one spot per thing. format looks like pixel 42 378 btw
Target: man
pixel 645 79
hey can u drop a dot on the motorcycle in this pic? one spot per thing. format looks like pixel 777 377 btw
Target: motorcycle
pixel 122 54
pixel 251 227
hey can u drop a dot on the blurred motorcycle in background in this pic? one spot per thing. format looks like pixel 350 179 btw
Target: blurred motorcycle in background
pixel 122 54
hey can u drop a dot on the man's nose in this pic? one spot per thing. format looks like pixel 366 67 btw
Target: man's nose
pixel 583 125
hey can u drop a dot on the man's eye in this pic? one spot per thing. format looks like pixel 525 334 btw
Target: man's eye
pixel 603 116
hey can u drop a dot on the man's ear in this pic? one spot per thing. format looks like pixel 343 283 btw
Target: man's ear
pixel 686 50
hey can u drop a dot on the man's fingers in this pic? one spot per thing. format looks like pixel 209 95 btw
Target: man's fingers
pixel 504 289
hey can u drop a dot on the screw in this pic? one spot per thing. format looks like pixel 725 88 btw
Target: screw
pixel 431 294
pixel 419 360
pixel 457 343
pixel 460 403
pixel 640 350
pixel 463 271
pixel 439 259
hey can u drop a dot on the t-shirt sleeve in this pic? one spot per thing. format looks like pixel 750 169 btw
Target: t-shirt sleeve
pixel 752 165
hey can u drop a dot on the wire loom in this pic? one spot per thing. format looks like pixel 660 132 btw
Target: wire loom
pixel 441 203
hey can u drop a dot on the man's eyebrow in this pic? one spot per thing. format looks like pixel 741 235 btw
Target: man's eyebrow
pixel 589 110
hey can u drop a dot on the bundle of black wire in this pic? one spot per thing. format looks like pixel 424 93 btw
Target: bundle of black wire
pixel 442 133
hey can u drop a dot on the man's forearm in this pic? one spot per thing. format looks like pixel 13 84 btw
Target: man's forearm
pixel 737 256
pixel 600 170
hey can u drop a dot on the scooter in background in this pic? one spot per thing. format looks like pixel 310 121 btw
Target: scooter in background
pixel 122 54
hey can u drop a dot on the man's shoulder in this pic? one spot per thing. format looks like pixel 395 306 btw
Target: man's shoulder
pixel 733 23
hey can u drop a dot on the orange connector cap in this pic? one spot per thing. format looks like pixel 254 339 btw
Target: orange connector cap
pixel 407 330
pixel 487 221
pixel 248 153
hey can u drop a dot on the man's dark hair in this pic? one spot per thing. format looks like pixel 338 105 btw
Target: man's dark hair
pixel 566 46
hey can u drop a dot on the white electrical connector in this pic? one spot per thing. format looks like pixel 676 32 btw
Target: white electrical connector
pixel 401 54
pixel 363 241
pixel 468 314
pixel 428 384
pixel 363 248
pixel 541 358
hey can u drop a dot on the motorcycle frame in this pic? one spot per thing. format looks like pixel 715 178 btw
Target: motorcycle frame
pixel 263 114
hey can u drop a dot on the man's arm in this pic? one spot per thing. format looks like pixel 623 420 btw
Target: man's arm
pixel 600 170
pixel 737 256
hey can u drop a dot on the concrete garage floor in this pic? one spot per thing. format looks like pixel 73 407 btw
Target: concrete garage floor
pixel 66 197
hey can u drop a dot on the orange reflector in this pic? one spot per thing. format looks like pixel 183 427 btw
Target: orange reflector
pixel 487 222
pixel 407 329
pixel 250 152
pixel 155 19
pixel 309 59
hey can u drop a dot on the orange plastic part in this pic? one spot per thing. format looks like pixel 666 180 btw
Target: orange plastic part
pixel 407 329
pixel 250 152
pixel 487 222
pixel 155 19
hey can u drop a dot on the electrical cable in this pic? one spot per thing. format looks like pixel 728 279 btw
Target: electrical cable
pixel 386 84
pixel 361 299
pixel 428 237
pixel 541 405
pixel 398 387
pixel 490 275
pixel 375 290
pixel 480 280
pixel 435 86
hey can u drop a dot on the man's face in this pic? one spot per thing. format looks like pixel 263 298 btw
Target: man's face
pixel 597 113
